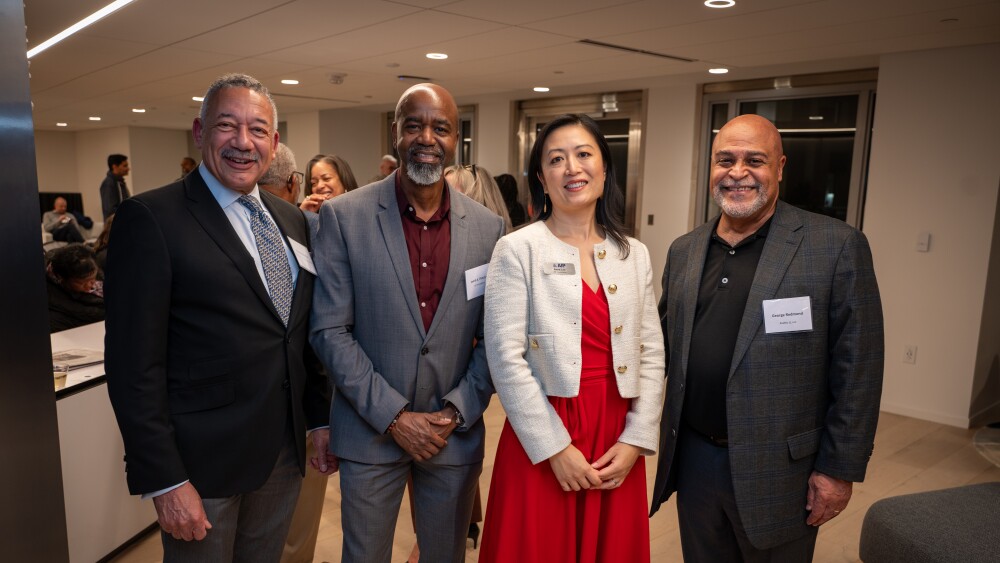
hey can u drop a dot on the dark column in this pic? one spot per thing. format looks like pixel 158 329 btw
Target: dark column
pixel 32 513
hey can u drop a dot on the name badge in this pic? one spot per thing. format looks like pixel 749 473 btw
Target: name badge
pixel 302 256
pixel 559 268
pixel 788 315
pixel 475 282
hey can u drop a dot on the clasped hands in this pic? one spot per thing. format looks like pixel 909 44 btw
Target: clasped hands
pixel 424 434
pixel 608 472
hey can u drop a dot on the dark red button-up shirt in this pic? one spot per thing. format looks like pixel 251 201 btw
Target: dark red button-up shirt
pixel 429 245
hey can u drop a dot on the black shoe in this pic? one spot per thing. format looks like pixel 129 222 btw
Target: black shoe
pixel 474 534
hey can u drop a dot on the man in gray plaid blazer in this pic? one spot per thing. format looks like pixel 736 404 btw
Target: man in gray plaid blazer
pixel 773 329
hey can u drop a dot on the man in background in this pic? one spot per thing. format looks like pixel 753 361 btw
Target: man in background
pixel 773 326
pixel 113 188
pixel 386 166
pixel 282 179
pixel 61 223
pixel 187 165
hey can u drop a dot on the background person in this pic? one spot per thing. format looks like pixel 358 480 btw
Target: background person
pixel 61 223
pixel 576 354
pixel 75 294
pixel 476 182
pixel 508 189
pixel 113 188
pixel 764 430
pixel 327 177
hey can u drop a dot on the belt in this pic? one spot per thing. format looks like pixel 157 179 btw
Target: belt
pixel 719 442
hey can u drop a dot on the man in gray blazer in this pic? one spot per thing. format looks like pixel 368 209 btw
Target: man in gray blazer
pixel 398 322
pixel 773 326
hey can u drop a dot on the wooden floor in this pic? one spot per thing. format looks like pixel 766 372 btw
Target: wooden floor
pixel 910 456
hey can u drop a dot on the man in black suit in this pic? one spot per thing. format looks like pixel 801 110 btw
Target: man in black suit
pixel 113 188
pixel 209 284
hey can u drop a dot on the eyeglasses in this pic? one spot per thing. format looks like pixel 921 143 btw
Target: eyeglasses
pixel 297 176
pixel 471 168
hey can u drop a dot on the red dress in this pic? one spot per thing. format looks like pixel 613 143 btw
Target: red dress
pixel 529 517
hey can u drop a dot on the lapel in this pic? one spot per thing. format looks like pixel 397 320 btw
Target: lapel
pixel 782 242
pixel 205 209
pixel 456 259
pixel 391 225
pixel 692 281
pixel 292 228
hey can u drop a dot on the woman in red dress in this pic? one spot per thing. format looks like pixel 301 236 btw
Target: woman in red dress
pixel 576 353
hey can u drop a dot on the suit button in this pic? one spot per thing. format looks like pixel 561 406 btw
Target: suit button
pixel 601 254
pixel 622 369
pixel 424 351
pixel 618 329
pixel 612 288
pixel 285 384
pixel 534 343
pixel 673 432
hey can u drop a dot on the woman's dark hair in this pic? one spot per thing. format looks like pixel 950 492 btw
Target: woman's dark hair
pixel 105 236
pixel 73 262
pixel 339 165
pixel 508 188
pixel 611 204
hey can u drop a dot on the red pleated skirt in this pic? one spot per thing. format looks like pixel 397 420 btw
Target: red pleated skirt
pixel 529 518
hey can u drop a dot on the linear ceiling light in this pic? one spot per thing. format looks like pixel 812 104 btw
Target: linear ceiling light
pixel 92 18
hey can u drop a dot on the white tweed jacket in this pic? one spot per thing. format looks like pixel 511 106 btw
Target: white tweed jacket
pixel 533 308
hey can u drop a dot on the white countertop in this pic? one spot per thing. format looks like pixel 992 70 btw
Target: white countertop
pixel 90 337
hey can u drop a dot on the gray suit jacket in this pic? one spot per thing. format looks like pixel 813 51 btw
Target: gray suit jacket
pixel 796 402
pixel 367 329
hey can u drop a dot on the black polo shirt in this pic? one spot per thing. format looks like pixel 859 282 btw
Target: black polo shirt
pixel 722 297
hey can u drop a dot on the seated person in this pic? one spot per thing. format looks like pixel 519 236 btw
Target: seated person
pixel 61 224
pixel 76 297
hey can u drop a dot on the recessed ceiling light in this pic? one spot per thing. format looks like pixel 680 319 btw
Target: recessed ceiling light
pixel 62 124
pixel 437 56
pixel 815 118
pixel 138 110
pixel 720 3
pixel 92 18
pixel 290 82
pixel 93 118
pixel 198 98
pixel 718 70
pixel 540 89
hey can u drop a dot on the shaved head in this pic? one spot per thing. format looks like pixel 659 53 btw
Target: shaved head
pixel 747 162
pixel 752 126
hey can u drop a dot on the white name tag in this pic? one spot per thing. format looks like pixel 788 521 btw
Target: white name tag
pixel 475 282
pixel 788 315
pixel 302 256
pixel 559 268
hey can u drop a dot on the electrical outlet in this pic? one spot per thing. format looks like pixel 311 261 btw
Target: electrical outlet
pixel 909 354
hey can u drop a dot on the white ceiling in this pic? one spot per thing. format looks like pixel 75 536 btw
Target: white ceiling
pixel 157 54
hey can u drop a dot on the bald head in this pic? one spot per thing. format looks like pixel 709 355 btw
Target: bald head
pixel 425 133
pixel 751 128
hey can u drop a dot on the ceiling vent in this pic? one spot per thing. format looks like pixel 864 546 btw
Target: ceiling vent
pixel 636 51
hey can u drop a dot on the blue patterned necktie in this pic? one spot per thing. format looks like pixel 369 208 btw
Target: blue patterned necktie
pixel 272 257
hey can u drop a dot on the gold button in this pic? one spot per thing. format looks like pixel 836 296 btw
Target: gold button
pixel 601 254
pixel 642 347
pixel 534 343
pixel 612 288
pixel 622 369
pixel 618 329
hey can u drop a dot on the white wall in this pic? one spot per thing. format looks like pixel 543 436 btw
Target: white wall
pixel 155 157
pixel 303 136
pixel 934 167
pixel 354 135
pixel 493 134
pixel 55 158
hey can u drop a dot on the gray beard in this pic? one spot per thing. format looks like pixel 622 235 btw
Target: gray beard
pixel 739 211
pixel 424 174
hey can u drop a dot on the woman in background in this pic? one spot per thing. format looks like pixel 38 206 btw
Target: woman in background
pixel 476 182
pixel 76 298
pixel 327 176
pixel 576 353
pixel 508 189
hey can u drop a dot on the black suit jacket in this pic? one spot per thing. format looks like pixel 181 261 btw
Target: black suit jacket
pixel 203 376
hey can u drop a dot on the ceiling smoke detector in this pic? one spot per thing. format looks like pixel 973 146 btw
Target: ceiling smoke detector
pixel 337 78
